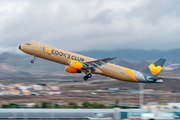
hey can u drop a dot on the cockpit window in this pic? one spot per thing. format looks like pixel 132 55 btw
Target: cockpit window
pixel 28 44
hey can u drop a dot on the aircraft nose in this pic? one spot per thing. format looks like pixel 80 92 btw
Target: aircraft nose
pixel 20 47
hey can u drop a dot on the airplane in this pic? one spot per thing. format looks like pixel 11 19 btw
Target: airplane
pixel 76 63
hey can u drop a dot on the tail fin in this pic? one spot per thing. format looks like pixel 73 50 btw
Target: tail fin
pixel 155 68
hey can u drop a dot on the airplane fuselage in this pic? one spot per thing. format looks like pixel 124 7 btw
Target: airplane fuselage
pixel 65 57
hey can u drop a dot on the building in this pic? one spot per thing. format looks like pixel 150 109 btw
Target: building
pixel 174 105
pixel 110 114
pixel 70 113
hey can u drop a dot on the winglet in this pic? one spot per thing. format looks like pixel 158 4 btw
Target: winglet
pixel 114 58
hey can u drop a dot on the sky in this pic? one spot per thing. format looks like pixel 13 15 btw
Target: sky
pixel 83 25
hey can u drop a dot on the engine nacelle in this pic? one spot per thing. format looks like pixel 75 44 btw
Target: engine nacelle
pixel 76 65
pixel 70 69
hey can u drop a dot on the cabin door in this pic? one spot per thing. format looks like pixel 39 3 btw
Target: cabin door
pixel 36 47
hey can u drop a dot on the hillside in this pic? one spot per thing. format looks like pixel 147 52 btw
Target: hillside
pixel 14 65
pixel 17 68
pixel 136 54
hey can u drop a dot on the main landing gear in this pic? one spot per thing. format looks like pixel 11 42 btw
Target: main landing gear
pixel 89 75
pixel 32 61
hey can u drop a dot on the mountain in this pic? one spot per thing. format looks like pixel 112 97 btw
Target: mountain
pixel 135 54
pixel 12 65
pixel 133 65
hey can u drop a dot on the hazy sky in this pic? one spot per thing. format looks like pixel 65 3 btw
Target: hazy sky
pixel 78 25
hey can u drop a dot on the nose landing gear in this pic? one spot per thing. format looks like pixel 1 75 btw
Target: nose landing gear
pixel 32 61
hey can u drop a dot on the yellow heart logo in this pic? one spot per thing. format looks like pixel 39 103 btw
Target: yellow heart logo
pixel 155 70
pixel 48 50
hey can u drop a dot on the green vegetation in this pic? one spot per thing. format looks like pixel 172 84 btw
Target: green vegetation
pixel 11 105
pixel 93 105
pixel 71 105
pixel 116 102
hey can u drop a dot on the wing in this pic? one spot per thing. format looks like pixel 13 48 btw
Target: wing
pixel 96 63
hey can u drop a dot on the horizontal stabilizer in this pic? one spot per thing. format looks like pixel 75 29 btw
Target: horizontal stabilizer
pixel 155 78
pixel 161 78
pixel 170 78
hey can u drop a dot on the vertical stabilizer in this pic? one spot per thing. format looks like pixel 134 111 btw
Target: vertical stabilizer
pixel 155 68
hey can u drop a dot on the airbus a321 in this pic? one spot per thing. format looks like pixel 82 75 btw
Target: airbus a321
pixel 76 63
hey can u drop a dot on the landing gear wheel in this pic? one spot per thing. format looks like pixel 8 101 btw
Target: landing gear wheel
pixel 86 78
pixel 32 61
pixel 89 75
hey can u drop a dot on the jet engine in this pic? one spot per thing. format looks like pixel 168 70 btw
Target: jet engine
pixel 76 65
pixel 71 70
